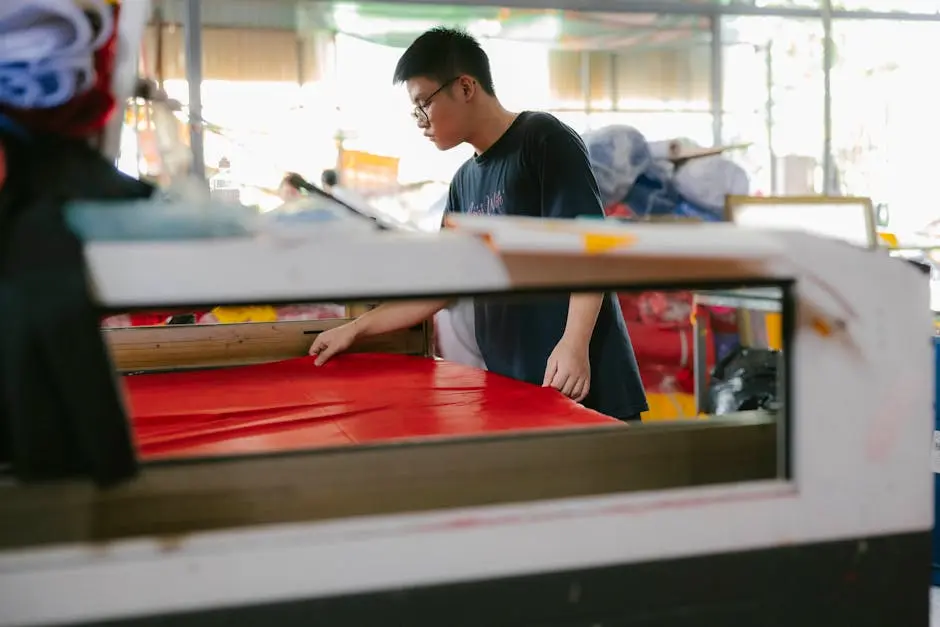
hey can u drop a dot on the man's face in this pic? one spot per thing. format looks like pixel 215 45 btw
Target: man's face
pixel 440 110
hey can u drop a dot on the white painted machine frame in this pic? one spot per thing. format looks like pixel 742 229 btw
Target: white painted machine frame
pixel 860 402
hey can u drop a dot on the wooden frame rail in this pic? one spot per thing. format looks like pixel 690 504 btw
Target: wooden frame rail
pixel 136 349
pixel 172 499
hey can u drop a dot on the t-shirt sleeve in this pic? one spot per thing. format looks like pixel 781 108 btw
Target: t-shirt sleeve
pixel 453 203
pixel 565 178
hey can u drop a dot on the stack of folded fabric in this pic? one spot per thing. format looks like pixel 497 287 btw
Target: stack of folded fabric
pixel 638 179
pixel 56 63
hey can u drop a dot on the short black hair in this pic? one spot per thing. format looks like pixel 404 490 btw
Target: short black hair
pixel 329 178
pixel 442 54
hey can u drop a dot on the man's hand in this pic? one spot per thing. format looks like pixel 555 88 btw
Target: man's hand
pixel 333 342
pixel 569 370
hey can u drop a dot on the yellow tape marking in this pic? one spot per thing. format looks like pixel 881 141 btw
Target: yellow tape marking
pixel 889 239
pixel 595 243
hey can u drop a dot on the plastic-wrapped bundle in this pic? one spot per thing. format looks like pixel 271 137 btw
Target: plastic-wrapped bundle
pixel 619 155
pixel 653 193
pixel 706 181
pixel 685 209
pixel 660 150
pixel 698 188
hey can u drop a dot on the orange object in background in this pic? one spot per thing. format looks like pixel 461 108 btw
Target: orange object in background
pixel 774 325
pixel 669 392
pixel 366 172
pixel 353 399
pixel 666 406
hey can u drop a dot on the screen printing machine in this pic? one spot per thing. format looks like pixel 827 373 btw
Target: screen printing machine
pixel 241 486
pixel 815 513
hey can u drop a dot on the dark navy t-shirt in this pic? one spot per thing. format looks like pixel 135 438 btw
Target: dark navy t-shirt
pixel 540 168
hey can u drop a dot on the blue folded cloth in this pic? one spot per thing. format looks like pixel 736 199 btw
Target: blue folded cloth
pixel 47 50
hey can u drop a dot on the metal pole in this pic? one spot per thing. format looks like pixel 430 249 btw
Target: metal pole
pixel 829 187
pixel 769 61
pixel 614 89
pixel 586 86
pixel 192 31
pixel 300 45
pixel 701 377
pixel 159 52
pixel 717 81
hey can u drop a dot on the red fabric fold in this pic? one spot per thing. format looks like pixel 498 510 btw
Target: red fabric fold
pixel 358 398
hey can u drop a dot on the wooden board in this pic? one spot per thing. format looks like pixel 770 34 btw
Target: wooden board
pixel 545 271
pixel 213 345
pixel 733 203
pixel 680 155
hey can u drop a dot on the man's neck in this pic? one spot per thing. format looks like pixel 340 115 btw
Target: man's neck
pixel 492 123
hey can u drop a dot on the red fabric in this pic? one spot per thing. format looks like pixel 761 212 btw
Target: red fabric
pixel 658 379
pixel 148 319
pixel 619 210
pixel 360 398
pixel 660 327
pixel 667 309
pixel 658 345
pixel 723 319
pixel 84 115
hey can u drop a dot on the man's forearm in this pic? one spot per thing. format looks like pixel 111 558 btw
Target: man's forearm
pixel 582 315
pixel 396 316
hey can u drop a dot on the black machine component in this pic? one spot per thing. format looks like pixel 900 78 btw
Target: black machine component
pixel 745 380
pixel 60 412
pixel 870 582
pixel 187 318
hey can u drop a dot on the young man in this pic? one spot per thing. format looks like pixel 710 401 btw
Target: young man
pixel 527 164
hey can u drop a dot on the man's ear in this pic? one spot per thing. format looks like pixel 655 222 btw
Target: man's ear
pixel 468 87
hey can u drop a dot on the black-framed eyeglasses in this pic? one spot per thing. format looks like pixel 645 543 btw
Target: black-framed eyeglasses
pixel 420 112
